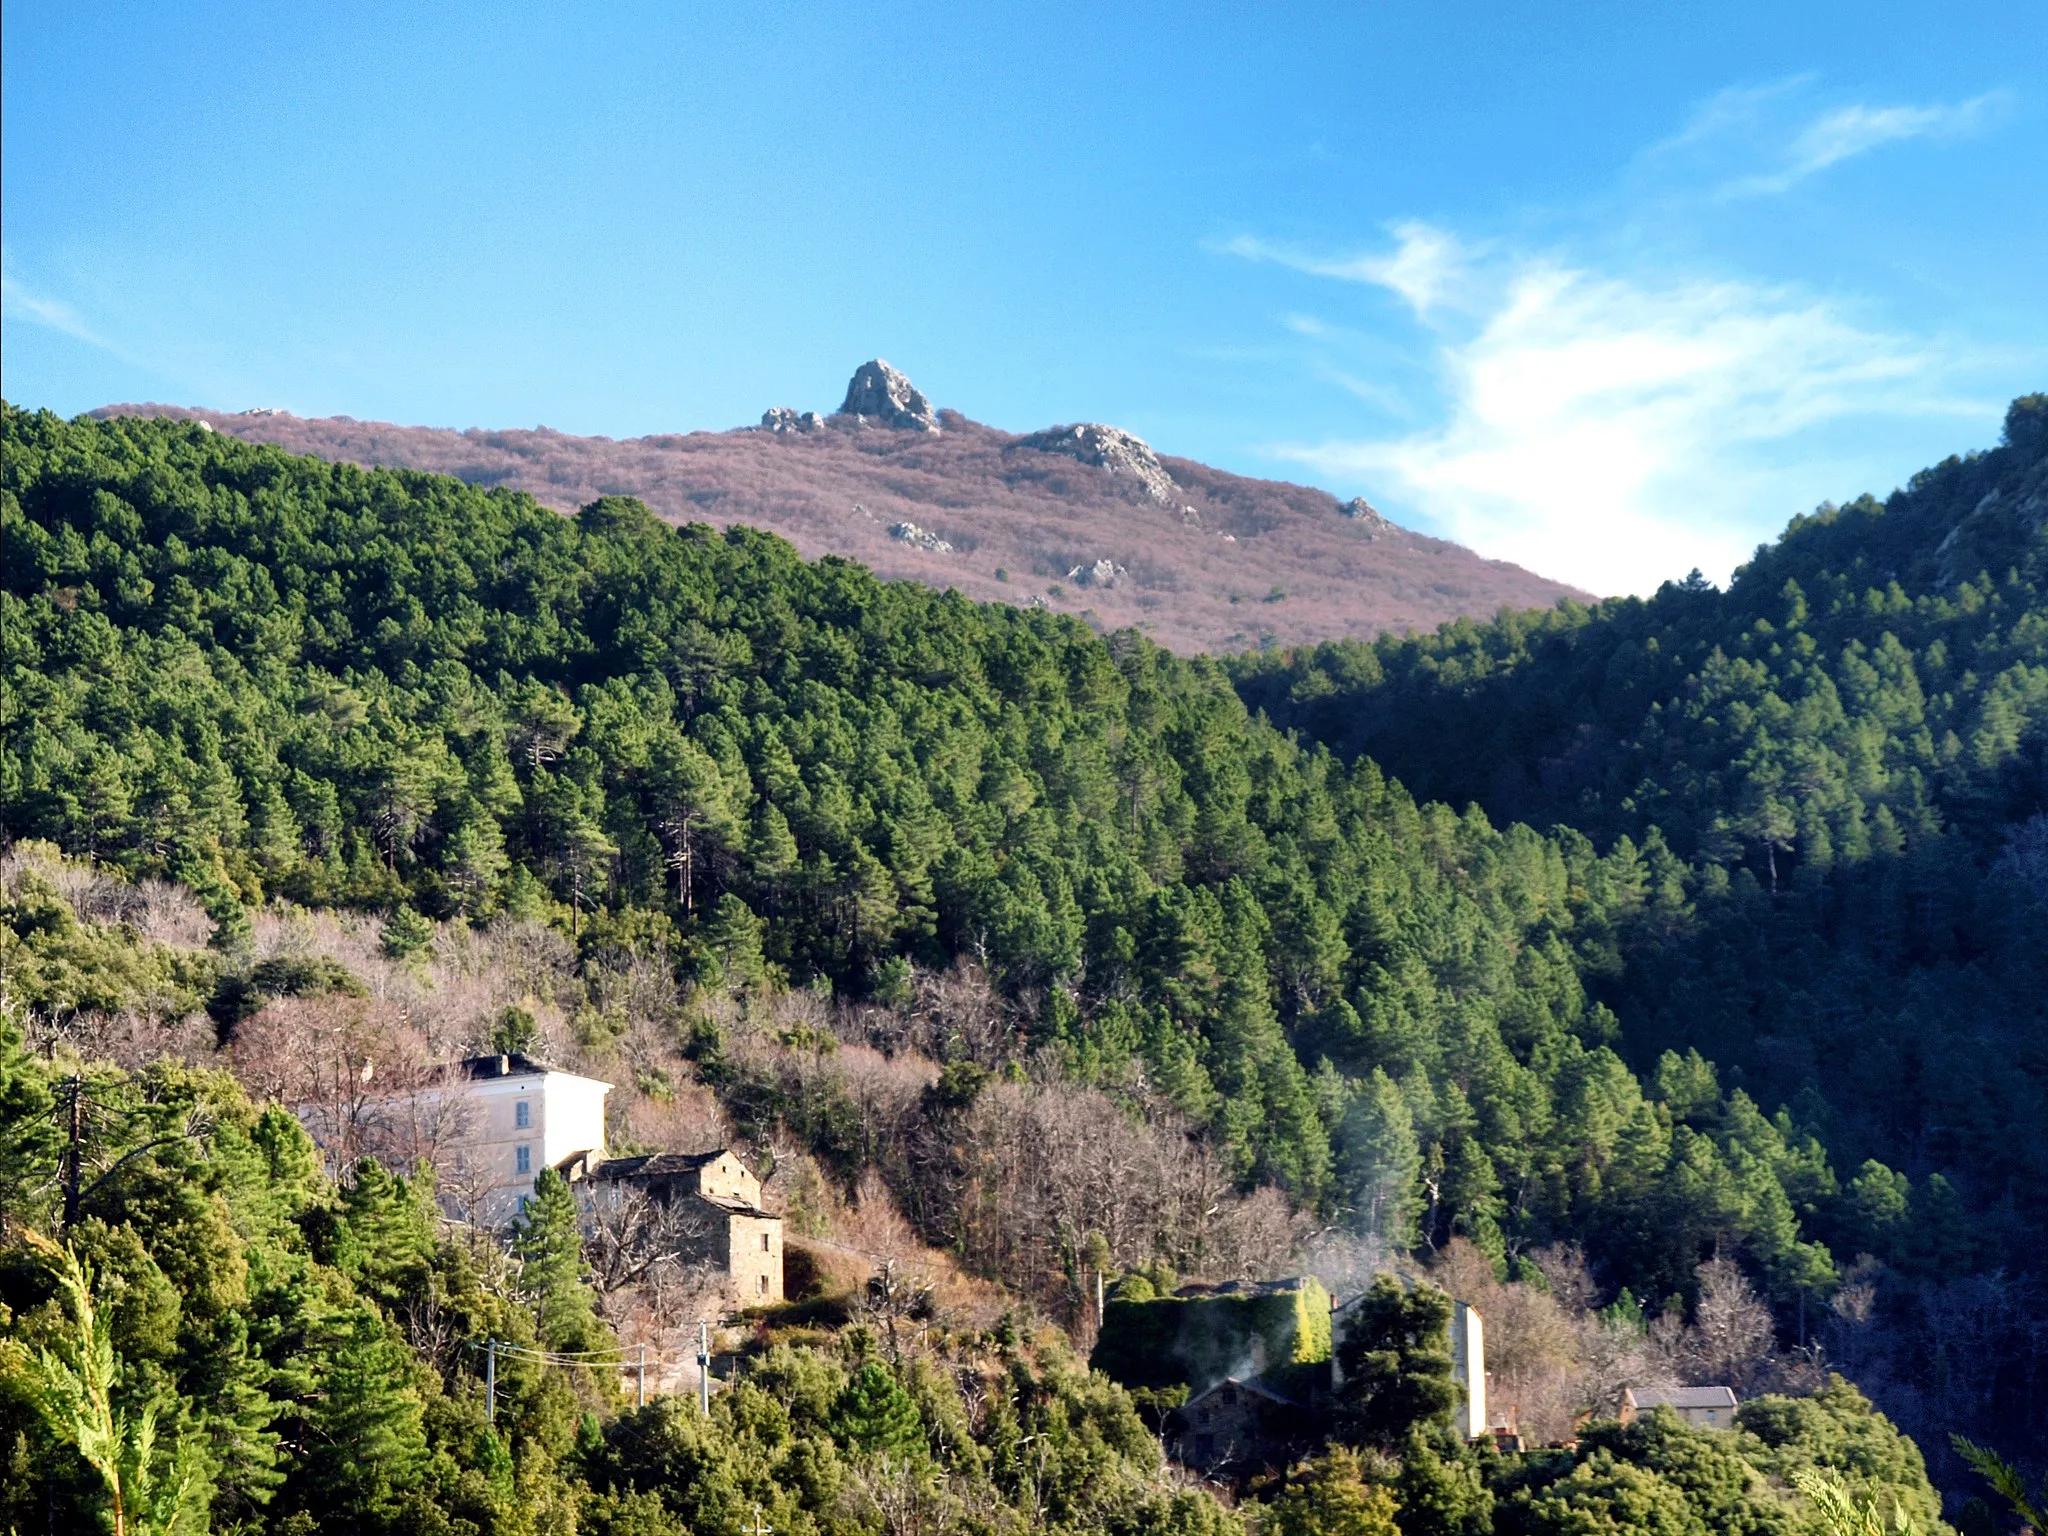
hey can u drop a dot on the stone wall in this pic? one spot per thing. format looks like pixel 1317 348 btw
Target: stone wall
pixel 753 1259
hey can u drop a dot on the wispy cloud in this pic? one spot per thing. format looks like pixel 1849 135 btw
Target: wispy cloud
pixel 1618 430
pixel 1764 139
pixel 17 299
pixel 1617 418
pixel 1426 267
pixel 140 342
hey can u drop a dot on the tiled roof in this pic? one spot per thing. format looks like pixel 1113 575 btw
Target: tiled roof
pixel 1250 1384
pixel 1681 1397
pixel 738 1207
pixel 656 1165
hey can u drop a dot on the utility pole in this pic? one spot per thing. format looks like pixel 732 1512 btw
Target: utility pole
pixel 74 1147
pixel 491 1380
pixel 759 1527
pixel 1098 1301
pixel 640 1399
pixel 704 1369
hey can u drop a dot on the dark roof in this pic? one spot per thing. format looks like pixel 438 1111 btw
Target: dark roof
pixel 507 1064
pixel 1681 1397
pixel 1250 1384
pixel 656 1165
pixel 738 1207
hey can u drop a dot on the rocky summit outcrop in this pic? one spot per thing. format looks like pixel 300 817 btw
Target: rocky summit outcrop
pixel 1361 511
pixel 780 418
pixel 1103 573
pixel 1084 520
pixel 879 393
pixel 1110 448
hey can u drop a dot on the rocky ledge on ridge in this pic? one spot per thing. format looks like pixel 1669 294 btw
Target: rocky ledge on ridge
pixel 878 392
pixel 780 418
pixel 1110 448
pixel 1359 510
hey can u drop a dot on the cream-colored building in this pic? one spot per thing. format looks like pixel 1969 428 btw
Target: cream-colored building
pixel 1701 1407
pixel 519 1117
pixel 489 1124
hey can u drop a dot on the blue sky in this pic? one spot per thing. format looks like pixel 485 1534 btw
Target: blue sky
pixel 1608 289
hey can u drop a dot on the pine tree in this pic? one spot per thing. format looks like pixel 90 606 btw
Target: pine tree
pixel 732 941
pixel 368 1446
pixel 876 1415
pixel 149 1490
pixel 1395 1356
pixel 548 1242
pixel 1379 1161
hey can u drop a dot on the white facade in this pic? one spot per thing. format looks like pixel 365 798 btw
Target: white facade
pixel 1468 1369
pixel 489 1125
pixel 520 1123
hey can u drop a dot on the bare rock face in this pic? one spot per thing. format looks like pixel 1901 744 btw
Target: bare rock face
pixel 1103 573
pixel 1363 512
pixel 780 419
pixel 880 393
pixel 920 538
pixel 1110 448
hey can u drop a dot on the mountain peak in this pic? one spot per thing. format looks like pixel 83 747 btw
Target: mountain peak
pixel 879 391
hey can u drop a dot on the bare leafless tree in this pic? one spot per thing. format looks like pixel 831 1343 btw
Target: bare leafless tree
pixel 632 1238
pixel 357 1073
pixel 1731 1341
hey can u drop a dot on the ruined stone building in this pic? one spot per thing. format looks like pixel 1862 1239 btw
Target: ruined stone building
pixel 732 1232
pixel 1260 1367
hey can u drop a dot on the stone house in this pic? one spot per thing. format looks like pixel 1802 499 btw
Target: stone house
pixel 1701 1407
pixel 1240 1425
pixel 733 1234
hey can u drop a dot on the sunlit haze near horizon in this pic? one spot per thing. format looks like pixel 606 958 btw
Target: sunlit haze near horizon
pixel 1606 290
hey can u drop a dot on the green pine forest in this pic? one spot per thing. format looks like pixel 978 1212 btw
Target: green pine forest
pixel 1695 946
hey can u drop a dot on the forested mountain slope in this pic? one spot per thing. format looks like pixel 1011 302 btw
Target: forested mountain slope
pixel 272 677
pixel 1849 749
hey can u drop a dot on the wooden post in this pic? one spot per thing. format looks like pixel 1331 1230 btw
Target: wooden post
pixel 74 1149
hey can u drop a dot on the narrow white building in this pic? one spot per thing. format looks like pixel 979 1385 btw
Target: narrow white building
pixel 1468 1369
